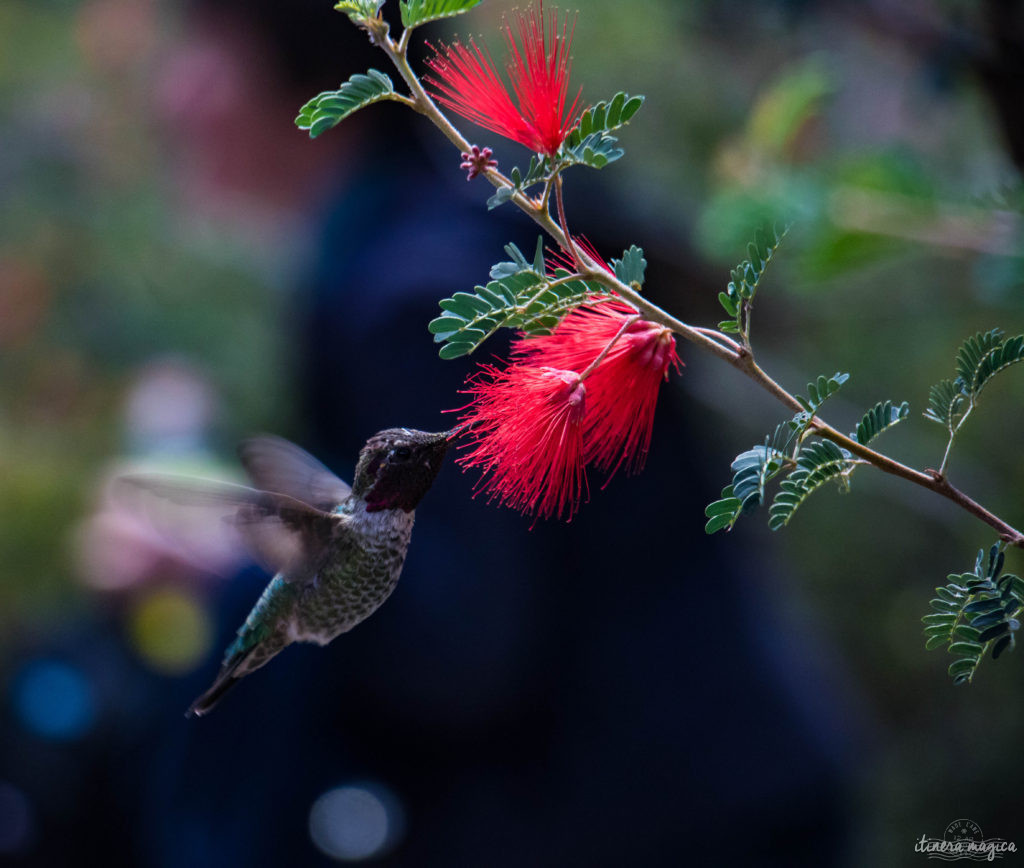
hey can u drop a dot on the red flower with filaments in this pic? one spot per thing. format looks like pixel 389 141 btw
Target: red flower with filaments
pixel 525 424
pixel 622 389
pixel 468 83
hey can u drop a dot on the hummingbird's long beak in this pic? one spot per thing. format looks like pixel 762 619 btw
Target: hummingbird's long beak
pixel 435 447
pixel 445 436
pixel 452 433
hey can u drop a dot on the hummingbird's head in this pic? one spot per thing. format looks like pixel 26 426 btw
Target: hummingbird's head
pixel 397 467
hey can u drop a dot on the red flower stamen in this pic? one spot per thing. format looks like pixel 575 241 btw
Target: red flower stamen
pixel 525 423
pixel 561 258
pixel 468 83
pixel 622 390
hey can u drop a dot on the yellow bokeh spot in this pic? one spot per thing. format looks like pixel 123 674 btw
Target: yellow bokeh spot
pixel 171 631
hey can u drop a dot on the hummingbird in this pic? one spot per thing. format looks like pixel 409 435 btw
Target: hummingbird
pixel 337 551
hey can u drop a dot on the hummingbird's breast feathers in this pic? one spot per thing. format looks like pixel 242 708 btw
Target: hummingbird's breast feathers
pixel 358 574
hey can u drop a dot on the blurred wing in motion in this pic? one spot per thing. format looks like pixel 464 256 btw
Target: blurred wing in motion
pixel 275 464
pixel 284 534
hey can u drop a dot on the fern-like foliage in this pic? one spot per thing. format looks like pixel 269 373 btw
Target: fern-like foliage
pixel 975 612
pixel 752 470
pixel 540 169
pixel 880 418
pixel 631 268
pixel 590 143
pixel 359 10
pixel 821 390
pixel 816 464
pixel 983 356
pixel 744 279
pixel 818 393
pixel 417 12
pixel 604 117
pixel 520 295
pixel 810 466
pixel 978 360
pixel 596 151
pixel 947 403
pixel 722 514
pixel 329 108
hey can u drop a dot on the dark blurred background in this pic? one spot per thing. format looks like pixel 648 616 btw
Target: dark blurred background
pixel 179 267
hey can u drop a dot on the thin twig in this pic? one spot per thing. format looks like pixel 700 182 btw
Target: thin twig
pixel 721 338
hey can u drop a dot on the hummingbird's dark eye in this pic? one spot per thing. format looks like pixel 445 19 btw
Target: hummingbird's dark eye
pixel 401 453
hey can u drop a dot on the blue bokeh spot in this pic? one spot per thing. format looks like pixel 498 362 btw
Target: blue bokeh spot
pixel 54 700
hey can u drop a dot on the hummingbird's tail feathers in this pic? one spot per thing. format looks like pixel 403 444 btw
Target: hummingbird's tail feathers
pixel 205 703
pixel 255 646
pixel 225 680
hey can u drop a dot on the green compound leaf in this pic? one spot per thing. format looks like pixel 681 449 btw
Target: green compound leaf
pixel 821 390
pixel 745 278
pixel 811 466
pixel 878 419
pixel 596 151
pixel 962 671
pixel 500 197
pixel 590 142
pixel 818 393
pixel 520 295
pixel 631 268
pixel 983 356
pixel 975 612
pixel 604 117
pixel 359 10
pixel 518 262
pixel 817 464
pixel 722 514
pixel 417 12
pixel 329 108
pixel 537 171
pixel 752 471
pixel 979 359
pixel 946 403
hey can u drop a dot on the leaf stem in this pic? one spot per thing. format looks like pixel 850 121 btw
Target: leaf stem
pixel 953 431
pixel 746 312
pixel 403 99
pixel 402 47
pixel 544 287
pixel 545 196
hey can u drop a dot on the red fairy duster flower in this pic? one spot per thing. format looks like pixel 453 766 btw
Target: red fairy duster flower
pixel 622 389
pixel 525 424
pixel 468 83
